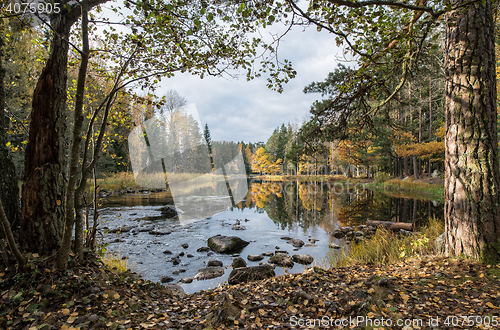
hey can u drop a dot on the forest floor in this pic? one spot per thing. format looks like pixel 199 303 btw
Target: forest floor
pixel 430 293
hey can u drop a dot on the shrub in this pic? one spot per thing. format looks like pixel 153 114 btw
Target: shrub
pixel 388 247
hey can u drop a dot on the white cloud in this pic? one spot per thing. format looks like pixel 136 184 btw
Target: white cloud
pixel 237 110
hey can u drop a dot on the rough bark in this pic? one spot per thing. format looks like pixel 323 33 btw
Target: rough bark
pixel 43 188
pixel 472 178
pixel 9 190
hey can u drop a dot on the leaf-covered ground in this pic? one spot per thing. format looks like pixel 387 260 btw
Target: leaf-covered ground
pixel 435 293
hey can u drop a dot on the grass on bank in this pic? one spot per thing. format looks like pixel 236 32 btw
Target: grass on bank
pixel 387 247
pixel 422 189
pixel 116 262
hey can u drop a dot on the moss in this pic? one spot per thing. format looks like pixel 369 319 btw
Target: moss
pixel 490 254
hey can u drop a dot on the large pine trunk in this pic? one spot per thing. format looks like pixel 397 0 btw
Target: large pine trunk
pixel 472 200
pixel 43 189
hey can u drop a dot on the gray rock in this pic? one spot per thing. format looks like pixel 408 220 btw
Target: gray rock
pixel 313 240
pixel 254 273
pixel 435 174
pixel 186 280
pixel 167 252
pixel 286 238
pixel 190 256
pixel 214 263
pixel 169 211
pixel 267 254
pixel 280 251
pixel 334 246
pixel 160 232
pixel 176 289
pixel 338 234
pixel 208 273
pixel 176 261
pixel 121 229
pixel 296 242
pixel 178 271
pixel 282 260
pixel 166 279
pixel 203 249
pixel 304 259
pixel 238 262
pixel 255 257
pixel 226 244
pixel 238 227
pixel 185 245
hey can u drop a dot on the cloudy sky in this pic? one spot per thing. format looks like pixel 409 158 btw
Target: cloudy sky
pixel 237 110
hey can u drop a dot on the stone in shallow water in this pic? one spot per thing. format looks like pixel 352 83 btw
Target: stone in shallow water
pixel 185 245
pixel 303 259
pixel 255 257
pixel 238 262
pixel 208 273
pixel 186 280
pixel 214 263
pixel 178 271
pixel 169 211
pixel 247 274
pixel 282 260
pixel 166 279
pixel 267 254
pixel 160 232
pixel 203 249
pixel 122 229
pixel 296 242
pixel 226 244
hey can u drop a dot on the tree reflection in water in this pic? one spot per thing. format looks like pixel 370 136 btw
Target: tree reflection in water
pixel 332 204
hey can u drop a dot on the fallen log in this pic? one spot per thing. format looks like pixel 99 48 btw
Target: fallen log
pixel 391 225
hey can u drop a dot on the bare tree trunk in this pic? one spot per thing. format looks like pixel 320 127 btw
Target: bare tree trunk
pixel 420 130
pixel 75 152
pixel 415 167
pixel 472 178
pixel 390 165
pixel 10 238
pixel 407 172
pixel 430 121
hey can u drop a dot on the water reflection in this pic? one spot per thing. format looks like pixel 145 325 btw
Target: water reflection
pixel 321 203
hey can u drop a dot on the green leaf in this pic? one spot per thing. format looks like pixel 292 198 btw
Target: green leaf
pixel 241 8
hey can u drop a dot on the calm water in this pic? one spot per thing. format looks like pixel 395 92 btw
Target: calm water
pixel 270 211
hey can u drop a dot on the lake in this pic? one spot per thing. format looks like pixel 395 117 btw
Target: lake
pixel 269 212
